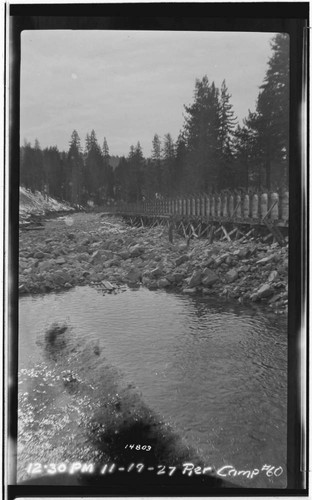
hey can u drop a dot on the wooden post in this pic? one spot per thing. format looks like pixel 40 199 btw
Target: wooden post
pixel 274 211
pixel 226 233
pixel 170 230
pixel 285 207
pixel 219 206
pixel 211 235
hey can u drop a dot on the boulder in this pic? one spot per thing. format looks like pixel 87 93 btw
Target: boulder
pixel 209 278
pixel 124 254
pixel 190 291
pixel 60 260
pixel 178 277
pixel 163 283
pixel 272 276
pixel 136 250
pixel 267 259
pixel 43 266
pixel 108 286
pixel 156 272
pixel 243 253
pixel 195 279
pixel 181 260
pixel 39 255
pixel 133 276
pixel 264 291
pixel 83 256
pixel 231 275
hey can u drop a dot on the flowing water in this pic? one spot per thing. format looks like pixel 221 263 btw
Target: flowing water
pixel 216 371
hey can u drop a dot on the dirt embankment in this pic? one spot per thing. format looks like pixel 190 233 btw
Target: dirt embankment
pixel 94 249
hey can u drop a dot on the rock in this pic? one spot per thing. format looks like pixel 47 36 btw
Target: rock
pixel 178 277
pixel 228 260
pixel 133 276
pixel 265 260
pixel 243 253
pixel 273 299
pixel 264 291
pixel 272 276
pixel 137 250
pixel 156 272
pixel 83 257
pixel 108 286
pixel 209 277
pixel 170 277
pixel 43 266
pixel 60 260
pixel 231 275
pixel 146 281
pixel 39 255
pixel 163 283
pixel 71 236
pixel 100 256
pixel 125 254
pixel 189 291
pixel 181 260
pixel 195 279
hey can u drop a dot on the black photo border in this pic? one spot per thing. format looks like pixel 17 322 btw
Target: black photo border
pixel 289 17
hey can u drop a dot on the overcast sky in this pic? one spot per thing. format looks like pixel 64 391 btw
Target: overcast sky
pixel 129 85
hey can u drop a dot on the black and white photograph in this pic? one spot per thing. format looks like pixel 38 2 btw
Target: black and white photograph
pixel 158 259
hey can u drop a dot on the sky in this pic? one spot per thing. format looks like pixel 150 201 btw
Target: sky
pixel 129 85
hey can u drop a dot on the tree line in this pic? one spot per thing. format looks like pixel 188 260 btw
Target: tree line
pixel 212 152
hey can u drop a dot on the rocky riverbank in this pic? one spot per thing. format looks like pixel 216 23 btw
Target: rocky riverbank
pixel 99 250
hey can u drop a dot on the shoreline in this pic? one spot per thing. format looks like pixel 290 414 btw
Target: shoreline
pixel 100 250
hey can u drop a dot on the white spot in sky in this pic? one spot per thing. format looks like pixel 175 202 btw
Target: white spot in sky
pixel 74 76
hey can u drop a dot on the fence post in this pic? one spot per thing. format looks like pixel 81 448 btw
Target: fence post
pixel 188 206
pixel 225 206
pixel 231 205
pixel 274 212
pixel 246 211
pixel 198 205
pixel 255 207
pixel 285 207
pixel 263 204
pixel 207 207
pixel 238 213
pixel 193 206
pixel 213 206
pixel 218 205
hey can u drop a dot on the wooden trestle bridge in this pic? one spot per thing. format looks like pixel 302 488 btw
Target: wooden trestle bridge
pixel 224 216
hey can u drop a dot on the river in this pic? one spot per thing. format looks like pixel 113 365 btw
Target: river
pixel 216 371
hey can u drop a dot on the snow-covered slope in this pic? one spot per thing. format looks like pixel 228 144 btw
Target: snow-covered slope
pixel 36 204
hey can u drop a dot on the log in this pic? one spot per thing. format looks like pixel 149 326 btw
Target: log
pixel 226 235
pixel 276 233
pixel 211 235
pixel 193 231
pixel 184 231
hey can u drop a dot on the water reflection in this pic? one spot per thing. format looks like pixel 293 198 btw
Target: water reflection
pixel 214 369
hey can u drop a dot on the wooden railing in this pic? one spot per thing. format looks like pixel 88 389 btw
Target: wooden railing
pixel 244 208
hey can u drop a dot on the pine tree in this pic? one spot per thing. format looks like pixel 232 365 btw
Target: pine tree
pixel 94 169
pixel 156 164
pixel 201 129
pixel 75 169
pixel 228 122
pixel 168 155
pixel 270 122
